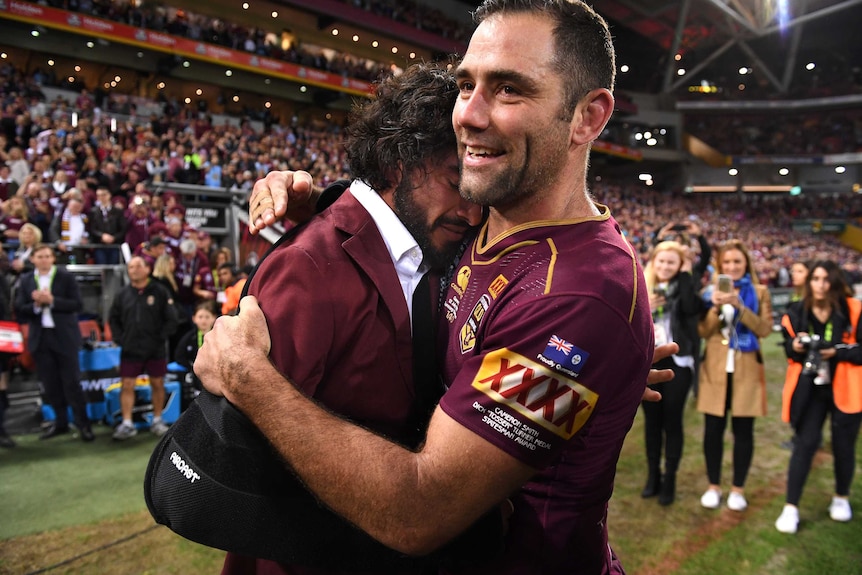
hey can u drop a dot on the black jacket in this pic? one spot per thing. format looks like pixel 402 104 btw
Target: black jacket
pixel 685 306
pixel 114 223
pixel 143 320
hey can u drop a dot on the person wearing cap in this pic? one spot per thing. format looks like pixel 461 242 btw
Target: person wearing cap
pixel 151 250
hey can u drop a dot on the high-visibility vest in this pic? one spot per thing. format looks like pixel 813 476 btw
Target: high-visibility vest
pixel 847 382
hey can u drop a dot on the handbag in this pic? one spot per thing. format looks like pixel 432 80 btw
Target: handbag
pixel 214 479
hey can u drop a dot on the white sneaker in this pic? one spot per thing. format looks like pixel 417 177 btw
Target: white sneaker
pixel 788 521
pixel 711 499
pixel 159 428
pixel 125 431
pixel 839 510
pixel 736 501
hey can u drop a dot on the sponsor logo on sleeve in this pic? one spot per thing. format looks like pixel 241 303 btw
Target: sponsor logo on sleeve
pixel 497 286
pixel 564 356
pixel 468 330
pixel 556 403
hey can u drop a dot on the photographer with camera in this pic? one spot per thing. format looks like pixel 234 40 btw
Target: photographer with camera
pixel 824 377
pixel 676 307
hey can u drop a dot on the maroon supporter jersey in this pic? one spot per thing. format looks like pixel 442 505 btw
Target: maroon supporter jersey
pixel 549 346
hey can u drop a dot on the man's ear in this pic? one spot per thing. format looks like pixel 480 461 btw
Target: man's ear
pixel 591 116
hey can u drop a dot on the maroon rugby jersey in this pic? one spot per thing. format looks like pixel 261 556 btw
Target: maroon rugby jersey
pixel 549 346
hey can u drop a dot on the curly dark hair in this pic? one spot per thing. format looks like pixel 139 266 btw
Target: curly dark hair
pixel 404 128
pixel 584 56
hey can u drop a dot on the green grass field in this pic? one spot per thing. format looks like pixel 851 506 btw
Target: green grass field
pixel 72 508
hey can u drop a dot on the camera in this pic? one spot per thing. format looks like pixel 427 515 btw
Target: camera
pixel 812 365
pixel 660 291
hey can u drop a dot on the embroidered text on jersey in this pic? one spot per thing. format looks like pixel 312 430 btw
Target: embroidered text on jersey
pixel 560 405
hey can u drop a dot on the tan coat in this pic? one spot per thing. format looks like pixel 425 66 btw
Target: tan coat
pixel 749 378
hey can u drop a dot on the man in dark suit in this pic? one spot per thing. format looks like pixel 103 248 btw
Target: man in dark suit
pixel 49 301
pixel 107 226
pixel 339 294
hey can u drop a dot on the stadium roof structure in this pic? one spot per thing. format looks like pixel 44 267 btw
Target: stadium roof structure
pixel 713 39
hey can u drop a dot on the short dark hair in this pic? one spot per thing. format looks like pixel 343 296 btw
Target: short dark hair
pixel 405 127
pixel 209 305
pixel 584 56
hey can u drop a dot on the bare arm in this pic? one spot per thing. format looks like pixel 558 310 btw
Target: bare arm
pixel 279 195
pixel 413 502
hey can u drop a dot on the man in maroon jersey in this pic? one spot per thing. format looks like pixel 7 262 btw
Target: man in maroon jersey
pixel 549 331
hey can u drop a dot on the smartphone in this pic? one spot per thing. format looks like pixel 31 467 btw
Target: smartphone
pixel 725 284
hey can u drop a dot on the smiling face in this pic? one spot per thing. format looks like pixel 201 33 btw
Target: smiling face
pixel 513 138
pixel 733 263
pixel 666 265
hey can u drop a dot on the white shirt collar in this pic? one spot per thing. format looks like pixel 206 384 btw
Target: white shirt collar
pixel 405 253
pixel 403 249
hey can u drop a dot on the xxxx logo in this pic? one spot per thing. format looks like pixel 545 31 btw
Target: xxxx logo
pixel 560 405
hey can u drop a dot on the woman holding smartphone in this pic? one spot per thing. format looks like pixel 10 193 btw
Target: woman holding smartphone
pixel 732 378
pixel 676 307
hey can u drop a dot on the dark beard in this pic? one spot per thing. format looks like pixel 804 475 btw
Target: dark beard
pixel 414 218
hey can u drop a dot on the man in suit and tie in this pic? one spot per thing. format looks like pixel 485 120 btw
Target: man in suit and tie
pixel 108 226
pixel 49 301
pixel 339 293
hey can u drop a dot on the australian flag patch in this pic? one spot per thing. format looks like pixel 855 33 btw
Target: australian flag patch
pixel 564 355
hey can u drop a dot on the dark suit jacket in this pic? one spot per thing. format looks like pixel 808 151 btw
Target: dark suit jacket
pixel 115 223
pixel 338 319
pixel 67 304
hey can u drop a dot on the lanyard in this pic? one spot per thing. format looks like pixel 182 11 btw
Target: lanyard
pixel 827 331
pixel 200 338
pixel 50 278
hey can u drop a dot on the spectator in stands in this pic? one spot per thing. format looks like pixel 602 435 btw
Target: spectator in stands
pixel 825 323
pixel 107 227
pixel 19 169
pixel 140 221
pixel 157 206
pixel 28 238
pixel 59 183
pixel 213 172
pixel 163 272
pixel 204 241
pixel 38 207
pixel 157 166
pixel 15 215
pixel 69 229
pixel 142 319
pixel 152 250
pixel 175 230
pixel 732 378
pixel 676 307
pixel 222 255
pixel 48 300
pixel 194 277
pixel 233 283
pixel 8 186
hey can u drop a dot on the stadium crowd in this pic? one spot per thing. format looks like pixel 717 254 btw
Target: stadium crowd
pixel 830 79
pixel 47 162
pixel 810 133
